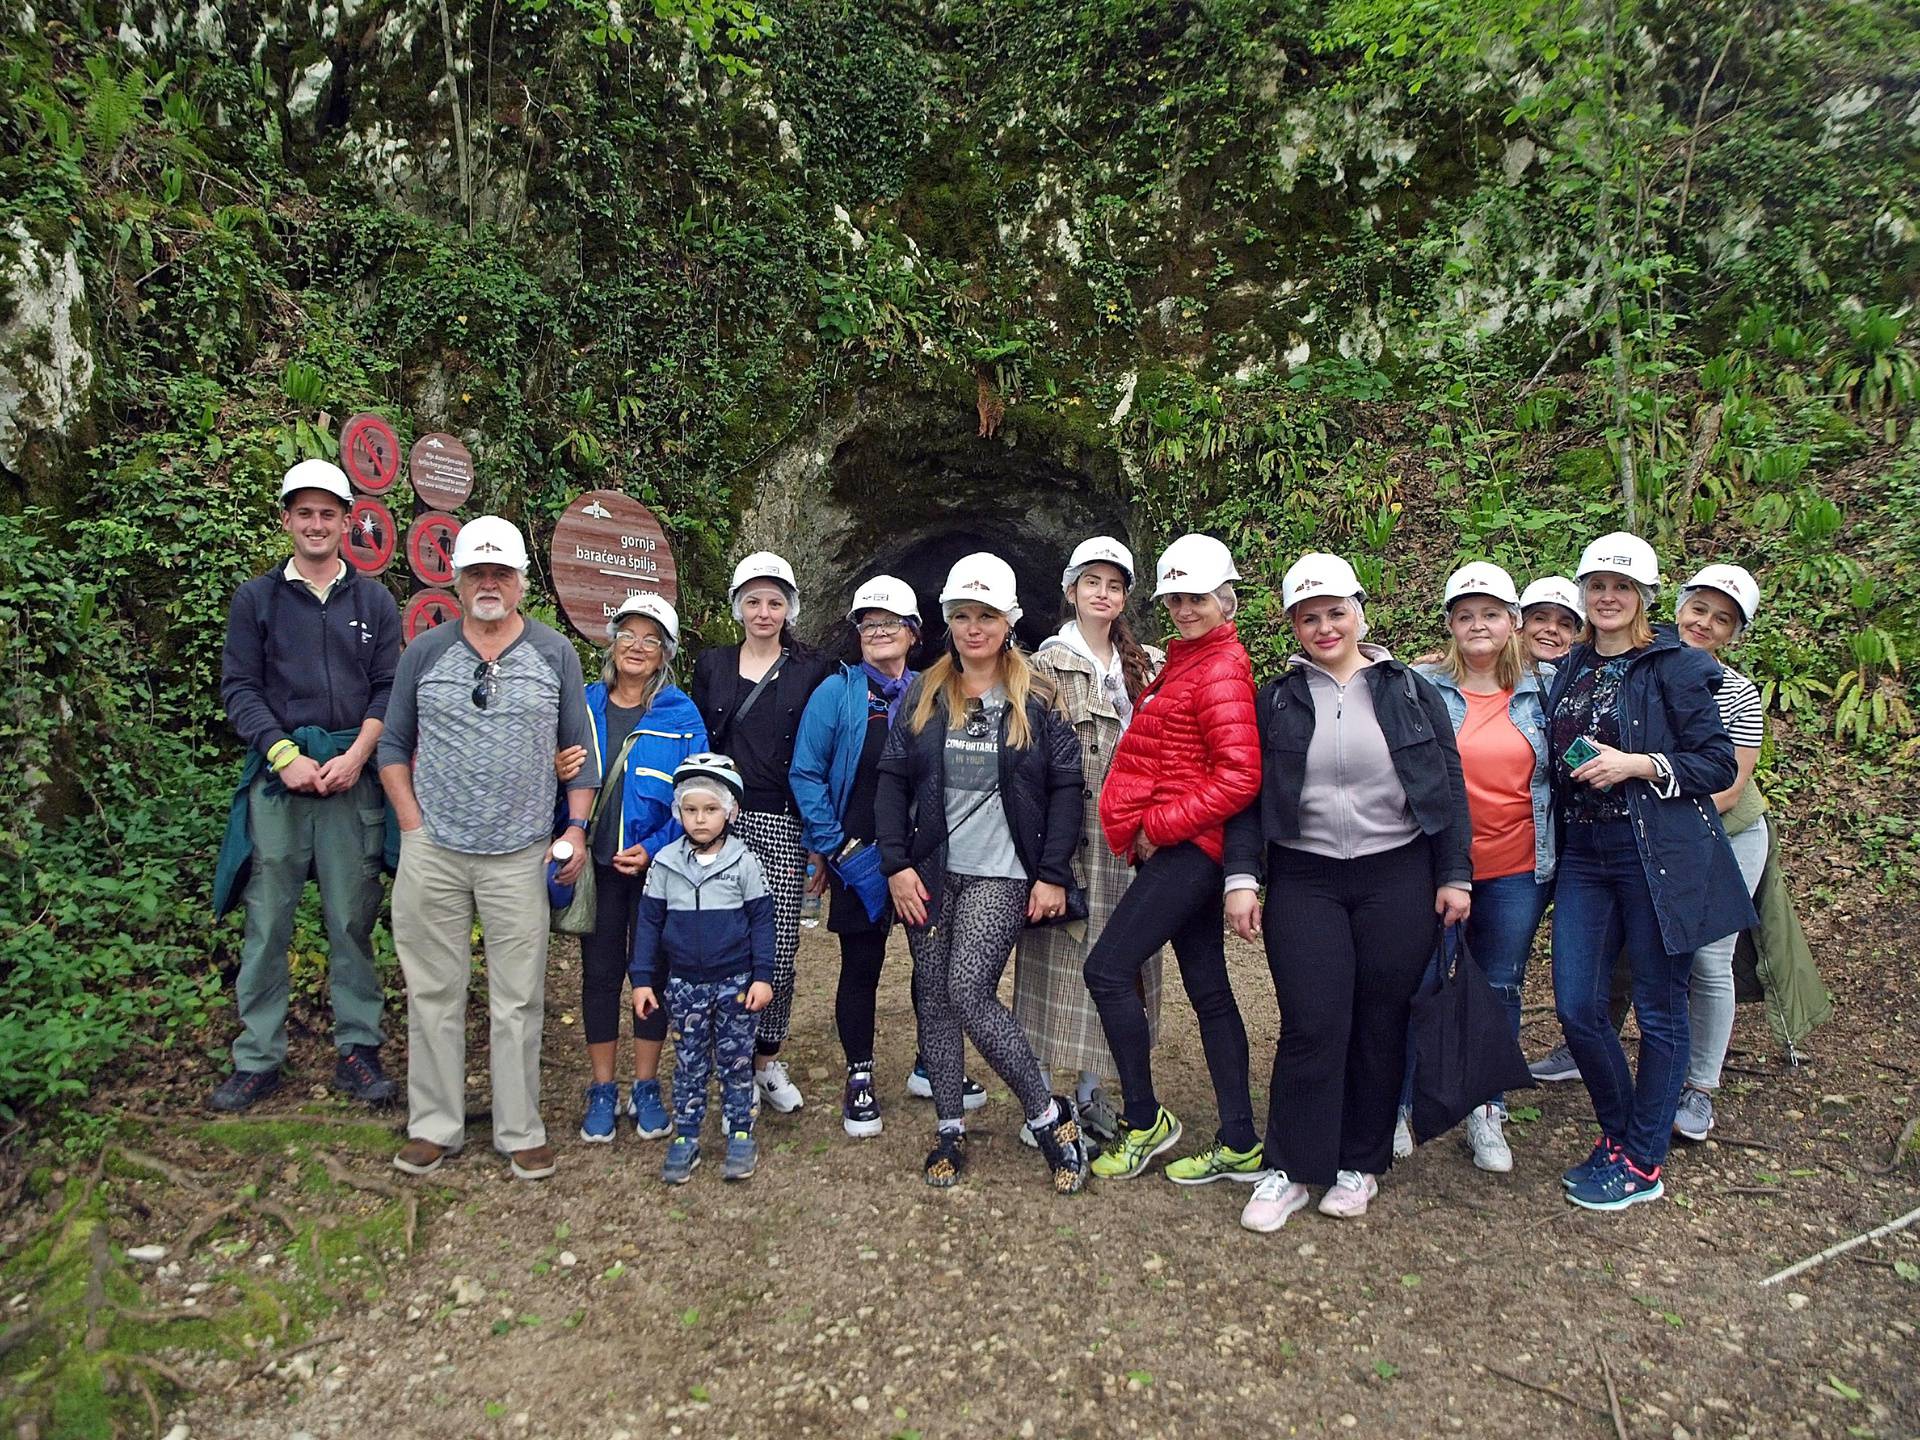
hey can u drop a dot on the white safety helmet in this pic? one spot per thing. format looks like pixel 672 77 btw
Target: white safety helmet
pixel 1553 590
pixel 712 772
pixel 1482 577
pixel 490 540
pixel 1100 550
pixel 982 579
pixel 885 592
pixel 1193 565
pixel 1621 553
pixel 317 475
pixel 1733 581
pixel 656 609
pixel 1315 575
pixel 764 565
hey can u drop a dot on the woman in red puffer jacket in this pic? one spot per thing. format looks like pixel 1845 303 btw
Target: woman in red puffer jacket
pixel 1189 762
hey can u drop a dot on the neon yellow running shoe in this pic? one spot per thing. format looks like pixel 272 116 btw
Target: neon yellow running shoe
pixel 1219 1162
pixel 1134 1149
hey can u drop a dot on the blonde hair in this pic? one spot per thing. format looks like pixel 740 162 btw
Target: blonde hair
pixel 1639 633
pixel 1508 666
pixel 940 686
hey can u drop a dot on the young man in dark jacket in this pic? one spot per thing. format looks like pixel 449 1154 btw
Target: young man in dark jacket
pixel 310 655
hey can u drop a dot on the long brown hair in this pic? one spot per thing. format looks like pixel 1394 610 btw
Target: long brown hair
pixel 1136 670
pixel 941 686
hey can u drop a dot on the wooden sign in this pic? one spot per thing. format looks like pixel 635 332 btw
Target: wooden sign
pixel 606 547
pixel 370 454
pixel 371 537
pixel 441 469
pixel 425 610
pixel 430 547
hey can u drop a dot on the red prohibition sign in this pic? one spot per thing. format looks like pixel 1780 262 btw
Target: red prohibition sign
pixel 370 451
pixel 371 537
pixel 430 547
pixel 426 610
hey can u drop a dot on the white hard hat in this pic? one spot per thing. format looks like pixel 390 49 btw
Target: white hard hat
pixel 1193 565
pixel 1622 553
pixel 655 608
pixel 1315 575
pixel 1480 578
pixel 1100 550
pixel 1553 590
pixel 885 592
pixel 982 579
pixel 317 475
pixel 489 540
pixel 765 565
pixel 1734 582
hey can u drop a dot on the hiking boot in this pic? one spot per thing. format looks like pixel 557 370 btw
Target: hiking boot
pixel 1617 1185
pixel 1273 1200
pixel 1557 1064
pixel 1489 1145
pixel 1098 1117
pixel 357 1073
pixel 860 1110
pixel 1694 1119
pixel 683 1156
pixel 1403 1134
pixel 743 1156
pixel 1604 1153
pixel 920 1086
pixel 947 1161
pixel 649 1110
pixel 776 1087
pixel 243 1089
pixel 603 1106
pixel 1219 1161
pixel 1347 1197
pixel 420 1157
pixel 1062 1147
pixel 536 1162
pixel 1134 1149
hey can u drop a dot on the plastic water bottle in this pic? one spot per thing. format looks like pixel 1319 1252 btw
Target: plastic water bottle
pixel 558 895
pixel 809 903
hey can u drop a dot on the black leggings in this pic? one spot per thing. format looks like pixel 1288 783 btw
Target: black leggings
pixel 603 960
pixel 861 955
pixel 1177 896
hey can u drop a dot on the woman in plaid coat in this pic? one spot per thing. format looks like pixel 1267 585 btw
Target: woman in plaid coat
pixel 1098 670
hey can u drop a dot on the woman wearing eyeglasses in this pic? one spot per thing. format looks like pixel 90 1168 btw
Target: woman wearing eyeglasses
pixel 642 719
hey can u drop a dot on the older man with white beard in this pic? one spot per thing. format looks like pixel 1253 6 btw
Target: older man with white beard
pixel 477 711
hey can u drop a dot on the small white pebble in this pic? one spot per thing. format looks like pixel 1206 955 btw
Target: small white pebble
pixel 568 1259
pixel 148 1254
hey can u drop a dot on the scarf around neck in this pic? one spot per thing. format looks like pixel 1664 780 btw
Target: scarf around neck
pixel 891 690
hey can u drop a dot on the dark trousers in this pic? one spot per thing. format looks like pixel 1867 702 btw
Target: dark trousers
pixel 1176 896
pixel 1348 941
pixel 861 955
pixel 603 960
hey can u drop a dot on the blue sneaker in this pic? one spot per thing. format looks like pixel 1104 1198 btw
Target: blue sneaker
pixel 603 1105
pixel 743 1156
pixel 649 1111
pixel 1616 1186
pixel 683 1155
pixel 1605 1152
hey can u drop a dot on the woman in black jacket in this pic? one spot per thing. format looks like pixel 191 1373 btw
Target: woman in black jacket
pixel 978 814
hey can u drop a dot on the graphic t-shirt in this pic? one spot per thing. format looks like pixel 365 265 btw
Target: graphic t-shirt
pixel 979 841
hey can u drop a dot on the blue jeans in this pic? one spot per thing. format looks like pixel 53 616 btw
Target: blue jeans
pixel 1602 903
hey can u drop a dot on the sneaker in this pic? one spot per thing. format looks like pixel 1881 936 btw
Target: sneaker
pixel 603 1107
pixel 357 1073
pixel 1617 1185
pixel 649 1110
pixel 920 1086
pixel 244 1088
pixel 537 1162
pixel 947 1161
pixel 1063 1147
pixel 777 1088
pixel 1604 1153
pixel 743 1156
pixel 1403 1134
pixel 1347 1197
pixel 683 1157
pixel 1273 1200
pixel 1489 1145
pixel 1134 1149
pixel 1098 1117
pixel 1694 1119
pixel 1556 1064
pixel 860 1111
pixel 420 1157
pixel 1219 1162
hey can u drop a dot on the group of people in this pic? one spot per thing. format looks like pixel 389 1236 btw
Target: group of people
pixel 1075 810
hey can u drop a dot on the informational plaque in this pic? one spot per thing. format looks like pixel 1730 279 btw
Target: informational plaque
pixel 606 547
pixel 441 469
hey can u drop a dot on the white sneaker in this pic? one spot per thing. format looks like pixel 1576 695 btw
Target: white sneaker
pixel 1347 1197
pixel 1489 1146
pixel 1403 1135
pixel 1273 1200
pixel 777 1089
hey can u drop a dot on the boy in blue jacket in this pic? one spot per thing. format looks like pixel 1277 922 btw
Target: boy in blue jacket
pixel 706 922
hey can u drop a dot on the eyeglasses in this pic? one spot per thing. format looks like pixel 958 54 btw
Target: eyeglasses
pixel 627 640
pixel 484 674
pixel 876 629
pixel 978 724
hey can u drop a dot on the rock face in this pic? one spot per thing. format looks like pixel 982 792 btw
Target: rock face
pixel 46 358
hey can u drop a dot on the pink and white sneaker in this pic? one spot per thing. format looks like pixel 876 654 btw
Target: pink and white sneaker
pixel 1274 1198
pixel 1347 1197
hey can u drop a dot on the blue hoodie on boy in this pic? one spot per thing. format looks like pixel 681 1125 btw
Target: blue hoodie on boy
pixel 712 920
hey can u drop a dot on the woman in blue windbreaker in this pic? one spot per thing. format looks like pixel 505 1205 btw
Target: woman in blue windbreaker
pixel 641 715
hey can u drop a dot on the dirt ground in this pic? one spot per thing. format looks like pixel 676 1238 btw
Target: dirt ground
pixel 835 1294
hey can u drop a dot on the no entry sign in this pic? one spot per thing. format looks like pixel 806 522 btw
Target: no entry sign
pixel 606 547
pixel 371 537
pixel 441 469
pixel 426 610
pixel 370 454
pixel 430 547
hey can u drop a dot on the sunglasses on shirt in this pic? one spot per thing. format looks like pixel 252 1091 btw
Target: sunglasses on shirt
pixel 484 674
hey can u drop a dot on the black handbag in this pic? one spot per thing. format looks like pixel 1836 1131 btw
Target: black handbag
pixel 1464 1050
